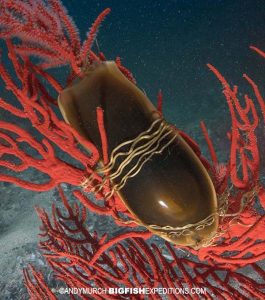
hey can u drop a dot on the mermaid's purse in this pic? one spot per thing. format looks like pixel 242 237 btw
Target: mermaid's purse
pixel 151 167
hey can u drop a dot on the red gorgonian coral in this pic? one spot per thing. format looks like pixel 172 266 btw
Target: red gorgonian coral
pixel 84 260
pixel 40 35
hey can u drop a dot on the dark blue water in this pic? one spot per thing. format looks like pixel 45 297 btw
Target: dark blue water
pixel 166 45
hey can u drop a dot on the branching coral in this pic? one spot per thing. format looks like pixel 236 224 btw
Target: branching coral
pixel 43 30
pixel 81 259
pixel 35 102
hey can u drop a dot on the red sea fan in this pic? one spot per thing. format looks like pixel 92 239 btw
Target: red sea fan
pixel 241 224
pixel 45 31
pixel 84 260
pixel 48 33
pixel 35 106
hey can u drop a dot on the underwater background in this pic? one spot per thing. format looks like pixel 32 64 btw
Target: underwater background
pixel 166 45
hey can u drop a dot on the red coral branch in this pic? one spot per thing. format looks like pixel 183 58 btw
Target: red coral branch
pixel 41 31
pixel 218 171
pixel 103 135
pixel 209 143
pixel 260 52
pixel 241 242
pixel 125 71
pixel 244 152
pixel 160 102
pixel 37 288
pixel 87 45
pixel 257 94
pixel 58 170
pixel 130 262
